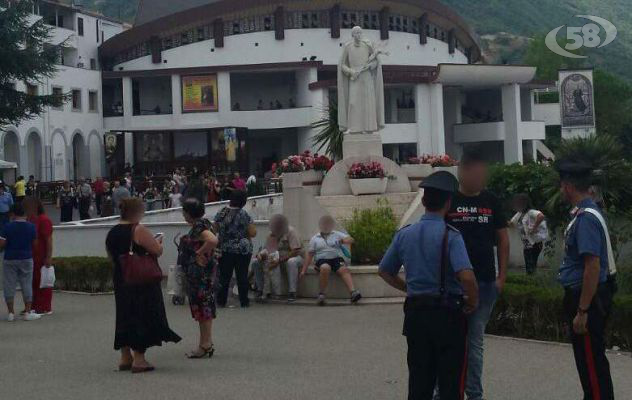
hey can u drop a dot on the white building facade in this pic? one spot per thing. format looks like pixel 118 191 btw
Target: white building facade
pixel 66 142
pixel 235 85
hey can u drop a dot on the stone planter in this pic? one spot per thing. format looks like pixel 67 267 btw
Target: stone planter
pixel 416 173
pixel 312 181
pixel 453 170
pixel 292 179
pixel 368 186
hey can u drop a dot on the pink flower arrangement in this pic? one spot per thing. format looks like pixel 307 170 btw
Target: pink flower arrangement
pixel 366 170
pixel 436 160
pixel 303 162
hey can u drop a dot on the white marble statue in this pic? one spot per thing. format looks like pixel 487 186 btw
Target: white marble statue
pixel 360 86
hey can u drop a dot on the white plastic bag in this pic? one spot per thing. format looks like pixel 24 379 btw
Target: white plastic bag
pixel 47 279
pixel 175 281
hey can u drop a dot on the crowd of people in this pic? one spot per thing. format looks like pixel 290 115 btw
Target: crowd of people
pixel 455 260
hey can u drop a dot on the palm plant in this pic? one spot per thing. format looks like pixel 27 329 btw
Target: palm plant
pixel 612 173
pixel 329 136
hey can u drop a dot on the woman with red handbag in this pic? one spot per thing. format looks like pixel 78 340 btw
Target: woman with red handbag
pixel 141 320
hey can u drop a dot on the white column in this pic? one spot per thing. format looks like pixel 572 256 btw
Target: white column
pixel 223 90
pixel 129 147
pixel 317 99
pixel 23 167
pixel 422 116
pixel 512 116
pixel 176 100
pixel 453 104
pixel 128 101
pixel 437 133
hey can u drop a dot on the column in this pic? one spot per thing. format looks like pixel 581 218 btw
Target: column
pixel 128 101
pixel 512 116
pixel 453 104
pixel 223 90
pixel 176 100
pixel 437 133
pixel 23 165
pixel 129 148
pixel 317 99
pixel 422 116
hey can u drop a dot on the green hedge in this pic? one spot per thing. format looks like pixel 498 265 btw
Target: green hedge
pixel 83 274
pixel 532 312
pixel 372 231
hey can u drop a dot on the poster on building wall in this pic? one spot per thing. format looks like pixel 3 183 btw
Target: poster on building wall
pixel 153 147
pixel 230 143
pixel 110 145
pixel 577 98
pixel 199 93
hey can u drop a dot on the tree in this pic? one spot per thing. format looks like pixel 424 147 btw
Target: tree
pixel 25 56
pixel 547 62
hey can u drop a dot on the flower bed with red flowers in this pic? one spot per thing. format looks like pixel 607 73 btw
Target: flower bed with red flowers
pixel 366 170
pixel 303 162
pixel 436 160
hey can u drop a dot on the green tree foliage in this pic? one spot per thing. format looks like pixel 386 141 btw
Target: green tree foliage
pixel 547 62
pixel 24 57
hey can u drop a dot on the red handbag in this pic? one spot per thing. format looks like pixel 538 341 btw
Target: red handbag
pixel 139 269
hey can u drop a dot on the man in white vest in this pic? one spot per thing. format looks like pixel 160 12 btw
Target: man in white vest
pixel 587 274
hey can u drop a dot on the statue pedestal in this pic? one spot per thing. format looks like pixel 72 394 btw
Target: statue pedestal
pixel 362 145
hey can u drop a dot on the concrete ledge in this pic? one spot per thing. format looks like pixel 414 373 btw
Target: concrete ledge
pixel 365 279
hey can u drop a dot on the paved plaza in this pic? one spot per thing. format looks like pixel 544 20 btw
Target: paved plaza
pixel 267 352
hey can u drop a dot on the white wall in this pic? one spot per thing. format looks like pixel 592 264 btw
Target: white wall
pixel 262 47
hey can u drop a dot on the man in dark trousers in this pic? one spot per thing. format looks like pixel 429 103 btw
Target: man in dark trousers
pixel 588 276
pixel 479 216
pixel 441 290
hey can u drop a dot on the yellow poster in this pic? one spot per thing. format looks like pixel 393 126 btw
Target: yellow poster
pixel 199 93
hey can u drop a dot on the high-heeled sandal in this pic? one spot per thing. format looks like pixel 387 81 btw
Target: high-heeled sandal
pixel 206 353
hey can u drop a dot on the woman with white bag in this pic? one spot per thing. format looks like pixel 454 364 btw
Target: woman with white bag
pixel 533 230
pixel 43 271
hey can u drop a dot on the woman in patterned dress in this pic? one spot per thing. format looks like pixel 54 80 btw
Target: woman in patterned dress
pixel 197 260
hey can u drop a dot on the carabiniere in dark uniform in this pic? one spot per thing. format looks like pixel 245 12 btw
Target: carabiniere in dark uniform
pixel 587 274
pixel 441 289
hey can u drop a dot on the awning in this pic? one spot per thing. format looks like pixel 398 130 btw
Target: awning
pixel 8 165
pixel 481 76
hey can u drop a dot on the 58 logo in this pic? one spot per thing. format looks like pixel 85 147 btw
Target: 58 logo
pixel 588 36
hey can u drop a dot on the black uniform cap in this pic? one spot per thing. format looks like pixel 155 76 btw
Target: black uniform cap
pixel 442 180
pixel 573 169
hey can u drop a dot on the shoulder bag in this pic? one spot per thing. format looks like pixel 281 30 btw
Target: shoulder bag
pixel 139 269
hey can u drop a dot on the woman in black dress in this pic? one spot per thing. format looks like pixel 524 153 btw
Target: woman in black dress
pixel 195 254
pixel 66 202
pixel 141 321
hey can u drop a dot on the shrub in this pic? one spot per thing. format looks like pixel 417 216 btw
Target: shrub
pixel 83 274
pixel 535 312
pixel 373 231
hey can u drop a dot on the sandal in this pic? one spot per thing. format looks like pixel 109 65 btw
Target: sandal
pixel 140 370
pixel 125 367
pixel 206 353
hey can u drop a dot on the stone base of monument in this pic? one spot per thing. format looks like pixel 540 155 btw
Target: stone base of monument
pixel 365 279
pixel 336 182
pixel 342 207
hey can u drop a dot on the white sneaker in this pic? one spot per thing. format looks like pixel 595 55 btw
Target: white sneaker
pixel 11 317
pixel 32 316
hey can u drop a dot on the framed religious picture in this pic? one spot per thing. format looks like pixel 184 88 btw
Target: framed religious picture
pixel 199 93
pixel 577 98
pixel 110 141
pixel 153 146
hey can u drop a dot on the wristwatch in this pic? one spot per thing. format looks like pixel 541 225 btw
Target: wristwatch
pixel 582 311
